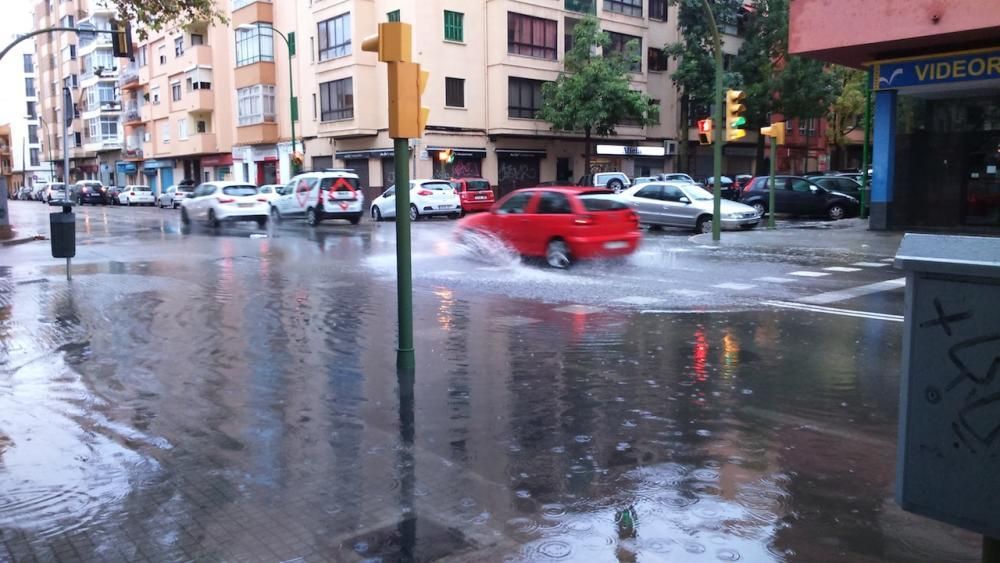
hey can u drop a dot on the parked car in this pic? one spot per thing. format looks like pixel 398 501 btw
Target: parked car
pixel 799 196
pixel 680 204
pixel 475 194
pixel 676 177
pixel 24 193
pixel 318 196
pixel 643 180
pixel 842 184
pixel 560 224
pixel 269 192
pixel 113 193
pixel 614 181
pixel 55 191
pixel 729 189
pixel 742 180
pixel 427 198
pixel 136 194
pixel 39 191
pixel 216 202
pixel 89 191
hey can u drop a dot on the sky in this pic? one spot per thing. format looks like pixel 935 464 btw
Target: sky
pixel 16 18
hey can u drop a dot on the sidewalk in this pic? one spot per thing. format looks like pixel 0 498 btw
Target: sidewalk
pixel 847 235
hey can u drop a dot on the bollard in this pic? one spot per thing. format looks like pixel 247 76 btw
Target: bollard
pixel 62 233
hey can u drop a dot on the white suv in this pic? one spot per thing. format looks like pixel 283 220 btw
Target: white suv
pixel 614 181
pixel 427 197
pixel 316 196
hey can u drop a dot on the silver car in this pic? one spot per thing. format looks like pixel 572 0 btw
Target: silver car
pixel 680 204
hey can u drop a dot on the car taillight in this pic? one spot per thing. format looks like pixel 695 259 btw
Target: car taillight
pixel 424 192
pixel 584 220
pixel 131 194
pixel 262 199
pixel 226 200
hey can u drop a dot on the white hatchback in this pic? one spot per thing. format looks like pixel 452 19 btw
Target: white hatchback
pixel 318 196
pixel 216 202
pixel 137 195
pixel 427 198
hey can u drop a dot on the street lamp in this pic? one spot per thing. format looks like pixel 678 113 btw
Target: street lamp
pixel 290 43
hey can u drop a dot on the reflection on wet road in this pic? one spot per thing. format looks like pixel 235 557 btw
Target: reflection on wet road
pixel 222 398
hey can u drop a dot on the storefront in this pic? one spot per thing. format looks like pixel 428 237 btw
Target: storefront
pixel 125 173
pixel 518 168
pixel 218 167
pixel 936 155
pixel 630 159
pixel 463 162
pixel 257 164
pixel 159 174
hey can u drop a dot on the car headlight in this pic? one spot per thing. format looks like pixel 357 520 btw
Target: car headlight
pixel 731 215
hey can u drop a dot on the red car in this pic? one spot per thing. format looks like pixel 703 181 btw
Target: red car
pixel 560 224
pixel 475 193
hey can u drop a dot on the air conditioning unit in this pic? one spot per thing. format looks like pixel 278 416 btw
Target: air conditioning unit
pixel 670 147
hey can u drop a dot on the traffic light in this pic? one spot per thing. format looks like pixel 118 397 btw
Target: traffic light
pixel 447 156
pixel 393 43
pixel 121 40
pixel 776 130
pixel 735 122
pixel 705 132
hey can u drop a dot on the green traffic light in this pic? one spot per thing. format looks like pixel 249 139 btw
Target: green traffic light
pixel 739 122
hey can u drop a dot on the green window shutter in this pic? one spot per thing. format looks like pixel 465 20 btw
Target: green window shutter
pixel 453 26
pixel 393 16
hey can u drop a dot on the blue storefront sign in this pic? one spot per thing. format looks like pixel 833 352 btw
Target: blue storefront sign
pixel 942 69
pixel 126 167
pixel 158 164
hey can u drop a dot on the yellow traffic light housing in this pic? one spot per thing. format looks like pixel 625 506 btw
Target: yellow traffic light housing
pixel 121 40
pixel 393 43
pixel 776 130
pixel 705 132
pixel 735 121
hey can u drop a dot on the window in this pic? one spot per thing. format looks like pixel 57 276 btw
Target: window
pixel 201 127
pixel 182 129
pixel 102 129
pixel 199 78
pixel 650 192
pixel 161 52
pixel 29 63
pixel 728 60
pixel 802 127
pixel 237 4
pixel 34 156
pixel 801 186
pixel 554 203
pixel 524 97
pixel 672 193
pixel 453 26
pixel 175 91
pixel 254 45
pixel 335 37
pixel 32 110
pixel 29 87
pixel 393 16
pixel 658 10
pixel 142 56
pixel 620 45
pixel 178 46
pixel 812 126
pixel 255 104
pixel 454 92
pixel 66 21
pixel 337 99
pixel 69 53
pixel 531 36
pixel 658 59
pixel 165 131
pixel 627 7
pixel 583 6
pixel 72 82
pixel 197 39
pixel 154 95
pixel 516 203
pixel 33 134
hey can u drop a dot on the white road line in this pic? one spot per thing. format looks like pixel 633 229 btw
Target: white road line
pixel 579 309
pixel 735 286
pixel 835 311
pixel 708 247
pixel 889 260
pixel 688 292
pixel 851 293
pixel 638 300
pixel 805 274
pixel 871 264
pixel 771 279
pixel 841 269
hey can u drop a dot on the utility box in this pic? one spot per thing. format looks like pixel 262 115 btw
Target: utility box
pixel 62 233
pixel 948 458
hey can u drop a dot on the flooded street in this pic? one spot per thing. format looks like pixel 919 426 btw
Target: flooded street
pixel 219 397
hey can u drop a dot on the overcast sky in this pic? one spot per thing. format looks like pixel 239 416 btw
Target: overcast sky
pixel 16 18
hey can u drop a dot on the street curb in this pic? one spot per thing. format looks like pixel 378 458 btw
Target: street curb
pixel 22 240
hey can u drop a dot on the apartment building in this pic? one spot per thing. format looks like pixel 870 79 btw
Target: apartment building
pixel 6 171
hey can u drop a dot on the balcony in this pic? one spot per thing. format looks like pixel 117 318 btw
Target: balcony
pixel 128 78
pixel 198 100
pixel 198 55
pixel 260 133
pixel 133 150
pixel 203 143
pixel 253 12
pixel 258 73
pixel 133 116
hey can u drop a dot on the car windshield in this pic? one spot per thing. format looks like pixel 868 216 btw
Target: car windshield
pixel 601 202
pixel 141 189
pixel 239 190
pixel 436 186
pixel 338 183
pixel 477 185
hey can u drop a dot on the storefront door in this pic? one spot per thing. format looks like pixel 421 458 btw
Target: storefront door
pixel 520 172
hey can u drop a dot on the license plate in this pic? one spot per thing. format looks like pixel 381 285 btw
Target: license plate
pixel 246 205
pixel 343 195
pixel 616 245
pixel 480 198
pixel 444 207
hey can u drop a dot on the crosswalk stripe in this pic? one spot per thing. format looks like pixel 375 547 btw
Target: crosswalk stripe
pixel 835 311
pixel 871 264
pixel 851 293
pixel 735 286
pixel 807 274
pixel 841 269
pixel 771 279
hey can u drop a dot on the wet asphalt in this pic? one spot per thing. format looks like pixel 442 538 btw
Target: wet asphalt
pixel 231 395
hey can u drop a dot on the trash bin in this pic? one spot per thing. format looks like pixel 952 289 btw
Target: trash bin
pixel 949 418
pixel 62 229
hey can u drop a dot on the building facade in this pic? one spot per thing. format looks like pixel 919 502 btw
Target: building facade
pixel 936 75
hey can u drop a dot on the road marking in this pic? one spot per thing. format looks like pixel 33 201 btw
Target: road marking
pixel 851 293
pixel 835 311
pixel 580 309
pixel 639 300
pixel 709 247
pixel 771 279
pixel 871 264
pixel 688 292
pixel 515 320
pixel 805 274
pixel 735 286
pixel 841 269
pixel 890 260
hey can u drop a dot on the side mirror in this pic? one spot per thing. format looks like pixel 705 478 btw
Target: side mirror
pixel 814 190
pixel 684 200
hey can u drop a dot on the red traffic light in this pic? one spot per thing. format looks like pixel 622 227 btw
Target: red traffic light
pixel 705 125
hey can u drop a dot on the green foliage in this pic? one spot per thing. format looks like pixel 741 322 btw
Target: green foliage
pixel 594 93
pixel 694 53
pixel 849 105
pixel 157 14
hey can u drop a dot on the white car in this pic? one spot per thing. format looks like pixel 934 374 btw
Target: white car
pixel 614 181
pixel 216 202
pixel 317 196
pixel 173 196
pixel 680 204
pixel 136 195
pixel 55 191
pixel 675 177
pixel 270 192
pixel 427 198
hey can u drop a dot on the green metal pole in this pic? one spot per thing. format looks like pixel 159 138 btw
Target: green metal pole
pixel 770 202
pixel 405 359
pixel 291 103
pixel 866 151
pixel 718 126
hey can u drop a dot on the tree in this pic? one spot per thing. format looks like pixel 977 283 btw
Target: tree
pixel 594 94
pixel 157 14
pixel 845 111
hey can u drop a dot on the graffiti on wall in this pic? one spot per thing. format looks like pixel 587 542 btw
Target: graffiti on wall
pixel 461 168
pixel 517 173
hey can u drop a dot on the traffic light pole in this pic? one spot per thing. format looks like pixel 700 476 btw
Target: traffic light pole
pixel 717 117
pixel 770 201
pixel 405 357
pixel 866 155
